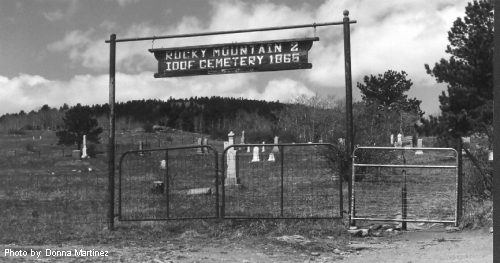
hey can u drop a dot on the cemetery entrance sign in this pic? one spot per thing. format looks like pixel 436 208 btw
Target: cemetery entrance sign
pixel 233 57
pixel 228 58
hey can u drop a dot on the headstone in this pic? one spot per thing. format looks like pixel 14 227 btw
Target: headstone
pixel 248 149
pixel 342 142
pixel 40 137
pixel 141 147
pixel 419 145
pixel 392 139
pixel 255 157
pixel 84 147
pixel 320 141
pixel 205 142
pixel 199 149
pixel 163 164
pixel 275 147
pixel 200 191
pixel 399 142
pixel 466 139
pixel 271 157
pixel 33 138
pixel 231 178
pixel 263 147
pixel 242 139
pixel 490 156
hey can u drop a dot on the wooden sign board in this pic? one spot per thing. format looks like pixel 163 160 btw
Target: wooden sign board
pixel 233 58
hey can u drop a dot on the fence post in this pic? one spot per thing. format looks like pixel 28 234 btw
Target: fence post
pixel 111 135
pixel 404 203
pixel 282 157
pixel 167 184
pixel 348 95
pixel 217 207
pixel 459 180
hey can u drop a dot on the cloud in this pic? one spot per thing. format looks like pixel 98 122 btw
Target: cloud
pixel 392 34
pixel 58 14
pixel 32 91
pixel 126 2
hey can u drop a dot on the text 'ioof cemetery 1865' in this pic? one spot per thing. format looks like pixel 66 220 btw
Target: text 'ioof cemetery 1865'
pixel 233 58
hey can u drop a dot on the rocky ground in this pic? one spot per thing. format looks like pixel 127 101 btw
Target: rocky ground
pixel 412 246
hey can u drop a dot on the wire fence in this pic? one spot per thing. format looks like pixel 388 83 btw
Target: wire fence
pixel 174 183
pixel 282 181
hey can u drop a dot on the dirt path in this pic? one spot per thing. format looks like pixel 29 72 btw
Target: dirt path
pixel 414 247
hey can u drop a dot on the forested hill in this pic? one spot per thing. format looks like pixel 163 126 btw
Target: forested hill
pixel 214 115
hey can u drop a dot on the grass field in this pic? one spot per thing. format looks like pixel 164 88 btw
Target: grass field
pixel 46 196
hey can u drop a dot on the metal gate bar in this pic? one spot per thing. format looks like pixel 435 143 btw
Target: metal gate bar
pixel 159 188
pixel 404 166
pixel 283 187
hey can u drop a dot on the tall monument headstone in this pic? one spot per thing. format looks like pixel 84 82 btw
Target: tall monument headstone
pixel 231 178
pixel 84 147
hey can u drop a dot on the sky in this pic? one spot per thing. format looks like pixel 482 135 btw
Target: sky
pixel 54 52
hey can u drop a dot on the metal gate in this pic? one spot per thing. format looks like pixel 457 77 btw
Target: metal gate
pixel 405 185
pixel 281 181
pixel 172 183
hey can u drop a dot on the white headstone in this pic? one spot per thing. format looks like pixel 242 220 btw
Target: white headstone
pixel 248 149
pixel 320 141
pixel 392 139
pixel 271 157
pixel 230 137
pixel 199 150
pixel 231 178
pixel 490 156
pixel 163 164
pixel 84 147
pixel 342 141
pixel 255 157
pixel 205 142
pixel 263 147
pixel 242 139
pixel 419 145
pixel 275 147
pixel 399 142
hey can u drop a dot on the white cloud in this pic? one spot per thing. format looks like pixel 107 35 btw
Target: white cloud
pixel 393 34
pixel 126 2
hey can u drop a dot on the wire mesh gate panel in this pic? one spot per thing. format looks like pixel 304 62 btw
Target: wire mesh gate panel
pixel 281 181
pixel 405 184
pixel 173 183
